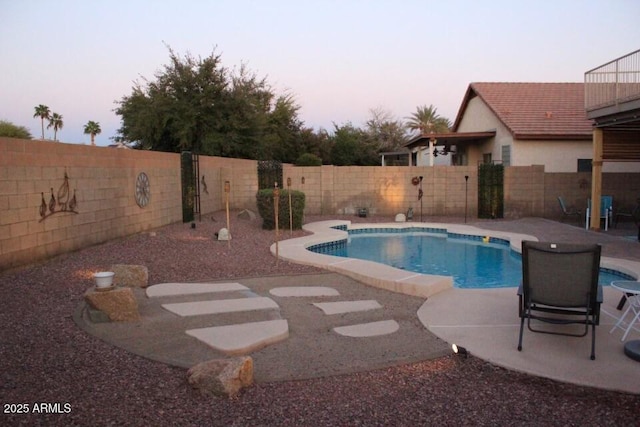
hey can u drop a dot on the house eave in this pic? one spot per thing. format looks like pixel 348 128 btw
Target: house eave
pixel 553 137
pixel 448 138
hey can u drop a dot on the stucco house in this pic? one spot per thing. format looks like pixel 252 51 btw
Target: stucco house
pixel 517 124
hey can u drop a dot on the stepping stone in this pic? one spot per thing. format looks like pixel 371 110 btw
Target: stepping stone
pixel 243 338
pixel 371 329
pixel 347 306
pixel 171 289
pixel 220 306
pixel 304 291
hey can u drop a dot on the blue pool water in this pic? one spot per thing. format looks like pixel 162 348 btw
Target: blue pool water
pixel 473 263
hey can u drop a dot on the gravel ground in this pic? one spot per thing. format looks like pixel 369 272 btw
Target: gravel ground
pixel 46 358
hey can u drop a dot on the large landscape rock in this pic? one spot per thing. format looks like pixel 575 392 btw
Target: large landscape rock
pixel 133 276
pixel 222 377
pixel 247 215
pixel 119 304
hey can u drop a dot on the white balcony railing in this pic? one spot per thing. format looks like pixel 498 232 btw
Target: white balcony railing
pixel 613 83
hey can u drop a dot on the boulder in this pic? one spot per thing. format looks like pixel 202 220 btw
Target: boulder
pixel 247 215
pixel 133 276
pixel 222 377
pixel 119 304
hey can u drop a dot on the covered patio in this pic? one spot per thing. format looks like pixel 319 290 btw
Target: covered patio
pixel 612 101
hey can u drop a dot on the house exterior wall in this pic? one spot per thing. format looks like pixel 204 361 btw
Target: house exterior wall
pixel 558 156
pixel 478 117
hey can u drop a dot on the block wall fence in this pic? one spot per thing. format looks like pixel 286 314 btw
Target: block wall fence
pixel 103 182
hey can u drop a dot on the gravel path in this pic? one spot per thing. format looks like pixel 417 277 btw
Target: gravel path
pixel 46 358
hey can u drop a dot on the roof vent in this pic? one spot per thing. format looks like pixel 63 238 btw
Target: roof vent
pixel 548 115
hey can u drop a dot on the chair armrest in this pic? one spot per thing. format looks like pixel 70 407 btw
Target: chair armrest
pixel 599 297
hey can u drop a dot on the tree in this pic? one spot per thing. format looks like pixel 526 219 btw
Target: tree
pixel 10 130
pixel 283 133
pixel 182 109
pixel 317 143
pixel 196 104
pixel 384 132
pixel 55 121
pixel 92 128
pixel 426 120
pixel 349 148
pixel 43 112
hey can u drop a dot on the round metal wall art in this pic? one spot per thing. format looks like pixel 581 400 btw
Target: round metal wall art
pixel 143 190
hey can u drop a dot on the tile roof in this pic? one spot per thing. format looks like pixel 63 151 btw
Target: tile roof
pixel 534 110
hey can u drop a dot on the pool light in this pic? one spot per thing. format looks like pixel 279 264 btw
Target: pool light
pixel 459 351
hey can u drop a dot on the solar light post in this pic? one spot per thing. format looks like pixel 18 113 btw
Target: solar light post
pixel 290 212
pixel 276 202
pixel 227 190
pixel 420 194
pixel 466 188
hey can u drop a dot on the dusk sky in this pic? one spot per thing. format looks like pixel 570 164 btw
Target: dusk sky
pixel 339 59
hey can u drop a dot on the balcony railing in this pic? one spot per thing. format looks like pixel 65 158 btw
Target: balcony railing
pixel 613 83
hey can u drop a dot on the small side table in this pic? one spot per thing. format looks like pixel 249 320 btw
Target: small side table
pixel 632 289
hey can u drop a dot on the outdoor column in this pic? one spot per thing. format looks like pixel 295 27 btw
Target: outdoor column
pixel 596 179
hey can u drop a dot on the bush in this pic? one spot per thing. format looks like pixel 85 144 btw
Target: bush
pixel 10 130
pixel 308 159
pixel 265 208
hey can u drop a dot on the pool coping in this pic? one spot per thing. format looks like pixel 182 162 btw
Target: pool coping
pixel 394 279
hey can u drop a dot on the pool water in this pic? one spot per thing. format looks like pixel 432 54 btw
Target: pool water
pixel 471 263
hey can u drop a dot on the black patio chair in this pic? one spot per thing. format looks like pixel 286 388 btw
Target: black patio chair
pixel 560 286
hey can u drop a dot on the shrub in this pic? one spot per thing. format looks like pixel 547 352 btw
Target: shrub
pixel 10 130
pixel 265 208
pixel 308 159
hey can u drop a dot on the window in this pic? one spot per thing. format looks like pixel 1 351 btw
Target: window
pixel 506 155
pixel 584 165
pixel 486 158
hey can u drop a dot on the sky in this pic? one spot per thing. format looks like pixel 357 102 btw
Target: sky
pixel 339 59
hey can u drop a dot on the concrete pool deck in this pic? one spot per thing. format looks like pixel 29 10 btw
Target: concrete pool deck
pixel 486 321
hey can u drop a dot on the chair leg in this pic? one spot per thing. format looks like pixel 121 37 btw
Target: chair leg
pixel 623 300
pixel 521 332
pixel 593 342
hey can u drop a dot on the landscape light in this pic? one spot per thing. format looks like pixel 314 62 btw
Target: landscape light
pixel 460 351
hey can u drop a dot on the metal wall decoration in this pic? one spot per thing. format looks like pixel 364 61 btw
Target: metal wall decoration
pixel 143 190
pixel 204 185
pixel 62 204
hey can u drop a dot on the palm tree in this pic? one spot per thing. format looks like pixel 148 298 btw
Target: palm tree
pixel 43 112
pixel 426 120
pixel 55 121
pixel 92 128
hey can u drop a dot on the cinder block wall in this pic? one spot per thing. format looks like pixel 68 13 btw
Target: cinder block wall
pixel 243 183
pixel 385 190
pixel 103 182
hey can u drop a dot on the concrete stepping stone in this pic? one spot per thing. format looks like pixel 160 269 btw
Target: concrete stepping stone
pixel 171 289
pixel 304 291
pixel 242 338
pixel 371 329
pixel 220 306
pixel 347 306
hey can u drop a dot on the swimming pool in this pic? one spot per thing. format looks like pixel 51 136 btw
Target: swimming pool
pixel 472 261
